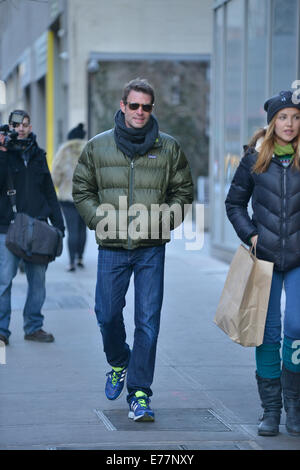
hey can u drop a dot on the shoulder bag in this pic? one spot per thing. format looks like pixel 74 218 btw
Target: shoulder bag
pixel 29 238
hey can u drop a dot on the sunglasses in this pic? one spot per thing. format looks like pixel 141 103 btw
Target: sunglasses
pixel 146 107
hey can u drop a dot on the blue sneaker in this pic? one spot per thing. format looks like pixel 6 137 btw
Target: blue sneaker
pixel 115 383
pixel 140 409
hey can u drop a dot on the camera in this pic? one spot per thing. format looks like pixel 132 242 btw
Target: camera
pixel 11 141
pixel 10 137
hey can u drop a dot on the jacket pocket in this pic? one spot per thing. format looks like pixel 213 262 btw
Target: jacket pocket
pixel 39 175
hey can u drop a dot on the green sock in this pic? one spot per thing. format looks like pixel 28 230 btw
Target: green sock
pixel 268 363
pixel 140 394
pixel 117 369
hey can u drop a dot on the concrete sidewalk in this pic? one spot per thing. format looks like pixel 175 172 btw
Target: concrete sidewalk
pixel 205 397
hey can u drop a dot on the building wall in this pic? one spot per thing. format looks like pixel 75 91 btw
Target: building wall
pixel 256 55
pixel 20 29
pixel 23 57
pixel 131 26
pixel 81 28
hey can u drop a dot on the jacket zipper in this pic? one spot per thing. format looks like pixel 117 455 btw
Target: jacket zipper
pixel 130 199
pixel 27 184
pixel 284 218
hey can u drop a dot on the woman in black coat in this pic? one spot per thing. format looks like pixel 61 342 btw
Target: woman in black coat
pixel 269 173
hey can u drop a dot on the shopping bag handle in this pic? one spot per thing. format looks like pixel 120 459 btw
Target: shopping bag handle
pixel 252 250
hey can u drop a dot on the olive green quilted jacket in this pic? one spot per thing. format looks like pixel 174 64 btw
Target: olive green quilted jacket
pixel 127 202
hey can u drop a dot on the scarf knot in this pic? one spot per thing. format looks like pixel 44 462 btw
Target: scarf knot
pixel 132 141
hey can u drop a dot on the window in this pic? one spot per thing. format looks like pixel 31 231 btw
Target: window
pixel 217 196
pixel 233 99
pixel 256 65
pixel 284 44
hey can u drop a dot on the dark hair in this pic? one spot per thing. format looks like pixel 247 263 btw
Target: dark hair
pixel 138 84
pixel 21 112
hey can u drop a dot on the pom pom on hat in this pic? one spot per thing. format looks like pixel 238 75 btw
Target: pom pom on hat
pixel 77 133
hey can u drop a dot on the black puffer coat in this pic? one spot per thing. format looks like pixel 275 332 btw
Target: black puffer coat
pixel 35 191
pixel 276 210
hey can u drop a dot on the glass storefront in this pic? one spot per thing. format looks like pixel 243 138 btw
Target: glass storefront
pixel 233 99
pixel 256 65
pixel 217 169
pixel 284 44
pixel 256 50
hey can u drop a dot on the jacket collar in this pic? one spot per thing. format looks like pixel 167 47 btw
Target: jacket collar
pixel 158 141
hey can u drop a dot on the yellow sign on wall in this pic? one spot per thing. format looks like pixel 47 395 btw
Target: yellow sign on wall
pixel 50 99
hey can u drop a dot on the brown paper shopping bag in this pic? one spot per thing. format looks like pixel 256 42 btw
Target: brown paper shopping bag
pixel 243 305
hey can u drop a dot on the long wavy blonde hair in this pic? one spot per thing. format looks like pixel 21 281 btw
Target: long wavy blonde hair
pixel 267 147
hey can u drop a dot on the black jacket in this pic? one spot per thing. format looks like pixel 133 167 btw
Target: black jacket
pixel 276 210
pixel 32 180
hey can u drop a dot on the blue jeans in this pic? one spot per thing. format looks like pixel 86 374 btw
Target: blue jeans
pixel 291 326
pixel 115 268
pixel 268 360
pixel 36 292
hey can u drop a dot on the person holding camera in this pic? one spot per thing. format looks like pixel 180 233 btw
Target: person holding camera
pixel 24 162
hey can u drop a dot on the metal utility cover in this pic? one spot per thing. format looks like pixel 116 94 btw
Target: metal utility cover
pixel 206 445
pixel 117 447
pixel 191 419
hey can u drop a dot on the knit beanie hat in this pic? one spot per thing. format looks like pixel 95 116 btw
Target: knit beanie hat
pixel 77 133
pixel 283 100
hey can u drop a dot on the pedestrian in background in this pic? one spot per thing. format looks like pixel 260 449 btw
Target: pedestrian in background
pixel 269 172
pixel 64 164
pixel 35 196
pixel 146 167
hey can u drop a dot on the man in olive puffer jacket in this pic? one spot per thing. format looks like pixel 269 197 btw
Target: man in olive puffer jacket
pixel 131 186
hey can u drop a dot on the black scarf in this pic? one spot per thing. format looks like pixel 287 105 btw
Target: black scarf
pixel 135 141
pixel 26 148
